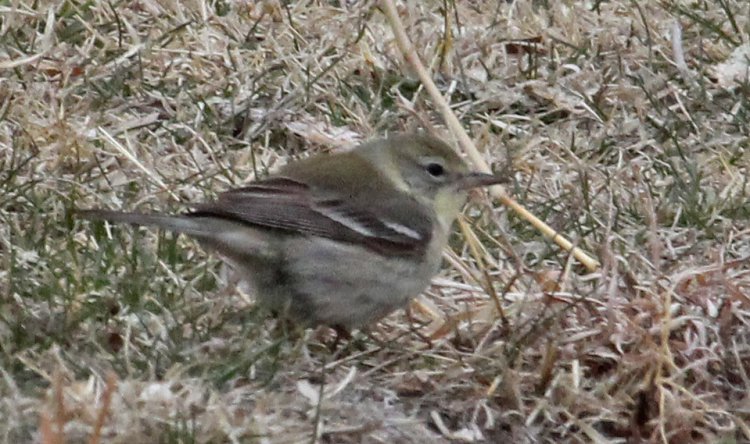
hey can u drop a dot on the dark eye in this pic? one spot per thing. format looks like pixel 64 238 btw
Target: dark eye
pixel 435 169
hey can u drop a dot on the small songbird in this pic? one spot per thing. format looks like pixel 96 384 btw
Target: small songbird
pixel 339 239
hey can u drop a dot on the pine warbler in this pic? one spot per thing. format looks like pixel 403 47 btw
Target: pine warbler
pixel 340 239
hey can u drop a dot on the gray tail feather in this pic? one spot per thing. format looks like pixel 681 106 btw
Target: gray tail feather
pixel 230 238
pixel 180 224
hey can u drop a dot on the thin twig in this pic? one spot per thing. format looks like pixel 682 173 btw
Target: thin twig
pixel 104 410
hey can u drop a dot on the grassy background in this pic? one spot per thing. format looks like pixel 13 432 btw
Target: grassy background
pixel 623 124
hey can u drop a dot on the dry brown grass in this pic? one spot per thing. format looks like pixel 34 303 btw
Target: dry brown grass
pixel 624 136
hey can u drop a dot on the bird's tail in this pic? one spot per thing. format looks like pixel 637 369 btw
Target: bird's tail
pixel 230 238
pixel 179 223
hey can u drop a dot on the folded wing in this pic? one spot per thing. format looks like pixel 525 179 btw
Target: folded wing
pixel 399 228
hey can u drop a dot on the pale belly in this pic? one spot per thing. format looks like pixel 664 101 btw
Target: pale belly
pixel 324 282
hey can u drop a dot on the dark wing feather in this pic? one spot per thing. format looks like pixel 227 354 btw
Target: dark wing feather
pixel 284 204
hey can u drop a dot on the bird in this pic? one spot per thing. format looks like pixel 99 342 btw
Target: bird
pixel 339 239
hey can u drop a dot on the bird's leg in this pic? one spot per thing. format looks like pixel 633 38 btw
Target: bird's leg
pixel 341 333
pixel 415 328
pixel 323 334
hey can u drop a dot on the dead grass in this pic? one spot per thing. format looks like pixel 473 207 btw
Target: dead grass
pixel 624 137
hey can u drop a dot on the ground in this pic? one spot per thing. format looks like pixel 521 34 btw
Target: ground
pixel 622 124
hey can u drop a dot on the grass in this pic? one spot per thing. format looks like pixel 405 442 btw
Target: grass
pixel 117 334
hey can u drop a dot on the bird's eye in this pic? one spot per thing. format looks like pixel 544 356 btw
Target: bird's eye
pixel 435 169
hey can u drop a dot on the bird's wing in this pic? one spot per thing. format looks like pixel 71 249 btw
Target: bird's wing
pixel 399 228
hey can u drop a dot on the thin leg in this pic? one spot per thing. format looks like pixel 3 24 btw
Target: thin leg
pixel 415 328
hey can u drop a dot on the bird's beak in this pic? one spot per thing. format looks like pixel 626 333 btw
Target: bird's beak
pixel 474 180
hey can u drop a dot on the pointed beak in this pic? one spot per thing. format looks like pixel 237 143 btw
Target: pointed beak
pixel 475 180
